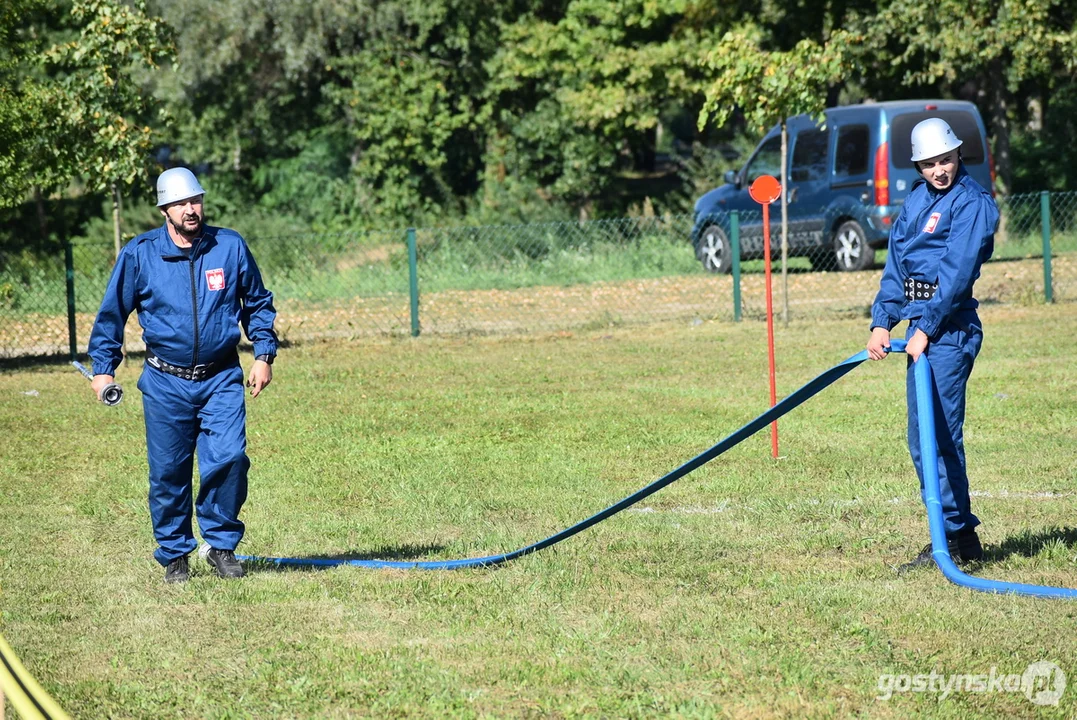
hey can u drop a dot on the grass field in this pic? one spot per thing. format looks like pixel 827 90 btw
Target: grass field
pixel 751 588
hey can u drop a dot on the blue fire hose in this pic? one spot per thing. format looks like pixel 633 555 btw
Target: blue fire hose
pixel 824 380
pixel 932 498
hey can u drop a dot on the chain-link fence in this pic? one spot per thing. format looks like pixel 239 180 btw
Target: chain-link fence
pixel 550 276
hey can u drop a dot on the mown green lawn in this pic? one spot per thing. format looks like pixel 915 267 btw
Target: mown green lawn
pixel 751 588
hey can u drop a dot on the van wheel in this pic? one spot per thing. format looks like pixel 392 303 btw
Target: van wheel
pixel 851 249
pixel 714 250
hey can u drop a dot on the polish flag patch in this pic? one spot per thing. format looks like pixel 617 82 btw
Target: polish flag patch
pixel 215 278
pixel 932 222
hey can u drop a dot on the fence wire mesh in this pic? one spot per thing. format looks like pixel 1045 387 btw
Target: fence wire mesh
pixel 545 277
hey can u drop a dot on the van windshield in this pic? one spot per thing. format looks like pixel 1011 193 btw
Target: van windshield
pixel 768 161
pixel 962 122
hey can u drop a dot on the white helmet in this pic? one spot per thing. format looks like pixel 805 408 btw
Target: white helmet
pixel 931 138
pixel 177 184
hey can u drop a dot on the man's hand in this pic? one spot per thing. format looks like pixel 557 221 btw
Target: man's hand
pixel 261 375
pixel 880 340
pixel 99 383
pixel 916 345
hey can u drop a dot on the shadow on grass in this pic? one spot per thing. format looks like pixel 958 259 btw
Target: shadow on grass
pixel 1029 543
pixel 399 552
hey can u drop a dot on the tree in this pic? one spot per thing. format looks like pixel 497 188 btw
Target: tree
pixel 999 45
pixel 572 97
pixel 24 104
pixel 102 133
pixel 246 95
pixel 769 86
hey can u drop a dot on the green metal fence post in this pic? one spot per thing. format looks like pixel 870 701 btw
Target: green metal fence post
pixel 69 264
pixel 1045 226
pixel 734 239
pixel 413 276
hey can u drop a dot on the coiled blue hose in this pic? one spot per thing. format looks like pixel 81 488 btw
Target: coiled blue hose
pixel 922 372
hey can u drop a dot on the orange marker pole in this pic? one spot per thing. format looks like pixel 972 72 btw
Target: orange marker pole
pixel 765 189
pixel 770 327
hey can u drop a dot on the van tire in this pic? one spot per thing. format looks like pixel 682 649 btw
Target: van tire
pixel 714 250
pixel 851 249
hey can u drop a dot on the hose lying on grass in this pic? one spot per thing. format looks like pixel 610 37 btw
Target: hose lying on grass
pixel 24 693
pixel 940 553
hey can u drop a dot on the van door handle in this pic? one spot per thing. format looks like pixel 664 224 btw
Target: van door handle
pixel 792 195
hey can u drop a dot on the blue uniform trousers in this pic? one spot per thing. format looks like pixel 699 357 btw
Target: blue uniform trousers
pixel 180 416
pixel 951 356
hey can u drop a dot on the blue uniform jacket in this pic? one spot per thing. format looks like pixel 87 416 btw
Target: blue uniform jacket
pixel 939 237
pixel 190 309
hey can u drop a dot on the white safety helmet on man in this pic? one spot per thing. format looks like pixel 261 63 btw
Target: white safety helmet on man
pixel 177 184
pixel 931 138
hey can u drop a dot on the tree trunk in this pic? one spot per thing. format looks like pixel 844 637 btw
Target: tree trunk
pixel 116 224
pixel 42 219
pixel 237 153
pixel 1000 124
pixel 117 209
pixel 785 225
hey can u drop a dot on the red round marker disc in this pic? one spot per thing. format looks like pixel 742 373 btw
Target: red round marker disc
pixel 765 189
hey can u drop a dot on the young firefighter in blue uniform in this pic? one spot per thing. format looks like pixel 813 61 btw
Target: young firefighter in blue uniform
pixel 944 233
pixel 193 286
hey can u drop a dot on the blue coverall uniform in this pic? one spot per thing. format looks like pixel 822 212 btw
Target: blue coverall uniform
pixel 941 237
pixel 190 307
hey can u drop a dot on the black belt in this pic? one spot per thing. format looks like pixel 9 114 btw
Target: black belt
pixel 200 372
pixel 916 290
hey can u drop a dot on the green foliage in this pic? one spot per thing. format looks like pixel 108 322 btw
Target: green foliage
pixel 950 39
pixel 402 117
pixel 768 86
pixel 1048 154
pixel 569 97
pixel 103 133
pixel 1001 48
pixel 703 171
pixel 25 101
pixel 344 114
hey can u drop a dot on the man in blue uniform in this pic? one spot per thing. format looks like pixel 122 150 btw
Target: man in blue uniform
pixel 944 233
pixel 193 286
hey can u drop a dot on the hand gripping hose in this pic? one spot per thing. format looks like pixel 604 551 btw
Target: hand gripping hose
pixel 931 481
pixel 111 395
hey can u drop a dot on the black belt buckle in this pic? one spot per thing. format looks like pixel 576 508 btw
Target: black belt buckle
pixel 201 371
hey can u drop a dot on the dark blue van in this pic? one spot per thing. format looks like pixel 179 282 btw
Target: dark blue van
pixel 848 177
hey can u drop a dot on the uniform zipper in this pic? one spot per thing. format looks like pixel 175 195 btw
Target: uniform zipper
pixel 194 307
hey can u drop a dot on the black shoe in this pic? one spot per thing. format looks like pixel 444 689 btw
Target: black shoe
pixel 968 548
pixel 177 571
pixel 964 548
pixel 225 563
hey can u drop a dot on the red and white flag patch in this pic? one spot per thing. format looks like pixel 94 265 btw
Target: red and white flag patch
pixel 932 222
pixel 215 279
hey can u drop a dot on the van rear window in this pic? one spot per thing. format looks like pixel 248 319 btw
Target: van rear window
pixel 962 122
pixel 851 153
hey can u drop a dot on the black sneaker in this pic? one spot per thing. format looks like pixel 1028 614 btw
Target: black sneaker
pixel 177 571
pixel 968 547
pixel 964 548
pixel 225 563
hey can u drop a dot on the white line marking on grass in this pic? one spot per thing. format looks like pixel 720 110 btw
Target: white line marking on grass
pixel 726 505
